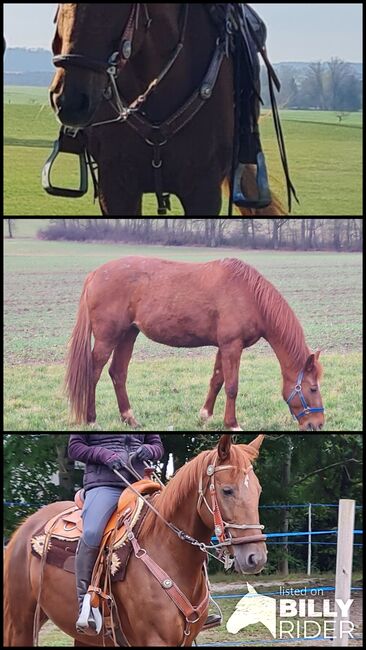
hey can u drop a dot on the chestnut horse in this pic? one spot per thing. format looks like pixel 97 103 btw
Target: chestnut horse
pixel 149 617
pixel 226 304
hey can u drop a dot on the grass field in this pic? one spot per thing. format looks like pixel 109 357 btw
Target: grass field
pixel 167 386
pixel 325 159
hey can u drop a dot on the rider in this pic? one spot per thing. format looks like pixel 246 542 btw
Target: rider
pixel 103 453
pixel 245 35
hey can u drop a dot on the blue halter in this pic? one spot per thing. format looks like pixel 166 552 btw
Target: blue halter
pixel 298 391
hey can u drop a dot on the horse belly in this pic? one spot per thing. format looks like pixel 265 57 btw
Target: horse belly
pixel 178 332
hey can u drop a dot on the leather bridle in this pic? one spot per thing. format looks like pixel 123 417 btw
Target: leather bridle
pixel 118 58
pixel 297 391
pixel 117 61
pixel 221 525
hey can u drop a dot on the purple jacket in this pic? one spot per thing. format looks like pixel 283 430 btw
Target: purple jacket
pixel 95 449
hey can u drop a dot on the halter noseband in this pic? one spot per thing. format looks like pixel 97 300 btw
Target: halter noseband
pixel 307 409
pixel 221 525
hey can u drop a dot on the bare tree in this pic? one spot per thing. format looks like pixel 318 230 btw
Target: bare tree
pixel 11 227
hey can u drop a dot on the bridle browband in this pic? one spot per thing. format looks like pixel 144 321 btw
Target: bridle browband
pixel 307 409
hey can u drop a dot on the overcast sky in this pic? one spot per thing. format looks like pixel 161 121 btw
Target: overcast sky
pixel 297 32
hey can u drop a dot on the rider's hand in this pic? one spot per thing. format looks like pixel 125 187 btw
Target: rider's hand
pixel 143 453
pixel 115 462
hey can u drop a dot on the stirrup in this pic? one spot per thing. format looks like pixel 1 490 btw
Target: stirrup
pixel 90 619
pixel 60 191
pixel 264 194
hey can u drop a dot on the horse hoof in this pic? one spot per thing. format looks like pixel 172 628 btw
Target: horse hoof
pixel 236 429
pixel 129 420
pixel 205 416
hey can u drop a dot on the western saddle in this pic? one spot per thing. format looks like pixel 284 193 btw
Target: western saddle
pixel 68 526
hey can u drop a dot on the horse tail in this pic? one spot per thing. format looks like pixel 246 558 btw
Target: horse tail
pixel 79 375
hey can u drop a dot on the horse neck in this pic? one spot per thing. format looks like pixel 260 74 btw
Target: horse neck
pixel 288 361
pixel 186 518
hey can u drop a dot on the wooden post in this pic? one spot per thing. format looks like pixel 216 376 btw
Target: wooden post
pixel 346 522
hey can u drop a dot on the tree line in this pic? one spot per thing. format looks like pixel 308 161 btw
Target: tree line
pixel 343 234
pixel 333 85
pixel 292 469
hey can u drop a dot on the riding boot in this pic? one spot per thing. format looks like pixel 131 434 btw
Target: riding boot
pixel 89 621
pixel 251 157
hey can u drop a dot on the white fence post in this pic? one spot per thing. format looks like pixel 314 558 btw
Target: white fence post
pixel 346 522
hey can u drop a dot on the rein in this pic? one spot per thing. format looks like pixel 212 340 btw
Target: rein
pixel 220 525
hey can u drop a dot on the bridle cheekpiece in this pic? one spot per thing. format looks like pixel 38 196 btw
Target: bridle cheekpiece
pixel 221 526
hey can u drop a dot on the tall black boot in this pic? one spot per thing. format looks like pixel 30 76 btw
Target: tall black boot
pixel 89 621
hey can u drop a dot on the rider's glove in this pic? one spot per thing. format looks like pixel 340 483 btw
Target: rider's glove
pixel 143 453
pixel 115 462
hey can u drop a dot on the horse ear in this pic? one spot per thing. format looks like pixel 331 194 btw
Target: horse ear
pixel 257 442
pixel 310 363
pixel 224 446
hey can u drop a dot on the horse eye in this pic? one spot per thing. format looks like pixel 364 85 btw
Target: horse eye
pixel 228 492
pixel 314 389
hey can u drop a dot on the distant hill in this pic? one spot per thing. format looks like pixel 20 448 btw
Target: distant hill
pixel 23 67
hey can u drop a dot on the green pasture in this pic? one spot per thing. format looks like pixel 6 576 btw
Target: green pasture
pixel 167 387
pixel 325 159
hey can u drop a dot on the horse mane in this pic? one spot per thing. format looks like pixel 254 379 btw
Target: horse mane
pixel 275 310
pixel 187 479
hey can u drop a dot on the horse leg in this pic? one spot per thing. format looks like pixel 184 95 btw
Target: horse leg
pixel 114 200
pixel 216 384
pixel 204 200
pixel 101 354
pixel 231 355
pixel 20 601
pixel 118 372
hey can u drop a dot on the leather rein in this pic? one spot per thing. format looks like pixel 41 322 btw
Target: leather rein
pixel 220 525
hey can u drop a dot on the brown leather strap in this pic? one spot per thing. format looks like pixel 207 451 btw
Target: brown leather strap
pixel 191 613
pixel 248 540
